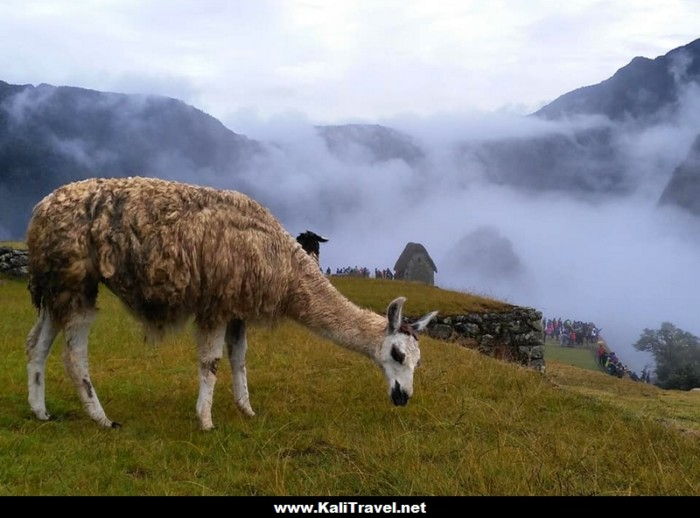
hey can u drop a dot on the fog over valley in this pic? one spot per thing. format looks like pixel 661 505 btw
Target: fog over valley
pixel 620 260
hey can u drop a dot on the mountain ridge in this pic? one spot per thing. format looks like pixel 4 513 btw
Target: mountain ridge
pixel 51 135
pixel 621 95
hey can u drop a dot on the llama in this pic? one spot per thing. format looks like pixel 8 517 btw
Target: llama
pixel 170 251
pixel 309 241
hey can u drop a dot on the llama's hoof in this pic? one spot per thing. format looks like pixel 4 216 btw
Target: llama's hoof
pixel 244 406
pixel 105 422
pixel 42 415
pixel 207 427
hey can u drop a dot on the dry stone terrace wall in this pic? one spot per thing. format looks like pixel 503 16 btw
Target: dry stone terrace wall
pixel 13 262
pixel 513 335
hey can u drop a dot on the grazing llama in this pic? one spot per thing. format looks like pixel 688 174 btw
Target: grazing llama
pixel 169 251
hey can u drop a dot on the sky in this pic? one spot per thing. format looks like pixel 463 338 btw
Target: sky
pixel 337 61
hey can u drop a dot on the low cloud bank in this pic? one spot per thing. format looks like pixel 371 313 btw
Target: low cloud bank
pixel 616 260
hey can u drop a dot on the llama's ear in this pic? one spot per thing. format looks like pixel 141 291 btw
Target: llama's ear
pixel 423 321
pixel 393 314
pixel 318 238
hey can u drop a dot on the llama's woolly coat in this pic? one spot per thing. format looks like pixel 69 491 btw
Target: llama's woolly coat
pixel 170 250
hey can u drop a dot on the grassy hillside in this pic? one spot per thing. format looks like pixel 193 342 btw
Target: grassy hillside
pixel 476 426
pixel 577 356
pixel 376 294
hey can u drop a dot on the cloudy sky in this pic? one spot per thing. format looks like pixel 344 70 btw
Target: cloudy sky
pixel 341 60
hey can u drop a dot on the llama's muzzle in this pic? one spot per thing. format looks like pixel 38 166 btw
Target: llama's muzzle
pixel 398 395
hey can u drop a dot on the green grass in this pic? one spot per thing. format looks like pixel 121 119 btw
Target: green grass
pixel 325 426
pixel 581 357
pixel 421 298
pixel 20 245
pixel 679 409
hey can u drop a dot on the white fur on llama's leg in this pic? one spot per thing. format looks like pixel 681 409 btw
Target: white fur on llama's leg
pixel 75 357
pixel 210 346
pixel 39 343
pixel 237 345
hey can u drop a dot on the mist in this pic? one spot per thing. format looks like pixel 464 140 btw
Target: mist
pixel 621 262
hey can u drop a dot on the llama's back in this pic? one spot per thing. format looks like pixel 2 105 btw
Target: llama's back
pixel 166 249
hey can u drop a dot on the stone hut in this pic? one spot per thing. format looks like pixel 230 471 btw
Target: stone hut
pixel 415 264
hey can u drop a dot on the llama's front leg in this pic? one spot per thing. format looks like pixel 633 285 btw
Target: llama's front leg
pixel 237 345
pixel 39 343
pixel 210 345
pixel 75 357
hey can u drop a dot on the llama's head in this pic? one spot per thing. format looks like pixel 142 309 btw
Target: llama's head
pixel 400 355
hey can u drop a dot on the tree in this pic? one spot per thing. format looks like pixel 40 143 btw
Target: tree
pixel 677 356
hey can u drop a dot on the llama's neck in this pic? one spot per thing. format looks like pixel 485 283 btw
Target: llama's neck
pixel 315 303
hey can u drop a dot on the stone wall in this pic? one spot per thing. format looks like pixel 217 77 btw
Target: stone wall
pixel 13 262
pixel 513 335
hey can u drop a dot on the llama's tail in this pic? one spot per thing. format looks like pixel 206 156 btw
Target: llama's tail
pixel 35 296
pixel 38 278
pixel 37 288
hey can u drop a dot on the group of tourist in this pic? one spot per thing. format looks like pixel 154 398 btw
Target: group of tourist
pixel 574 333
pixel 363 271
pixel 571 333
pixel 351 271
pixel 611 364
pixel 386 273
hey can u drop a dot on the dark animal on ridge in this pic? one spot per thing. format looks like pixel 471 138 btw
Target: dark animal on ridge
pixel 310 242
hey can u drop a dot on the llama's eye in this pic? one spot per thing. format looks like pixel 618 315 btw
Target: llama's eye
pixel 397 355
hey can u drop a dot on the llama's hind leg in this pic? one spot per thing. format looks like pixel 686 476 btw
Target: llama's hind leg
pixel 75 357
pixel 210 346
pixel 39 343
pixel 237 345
